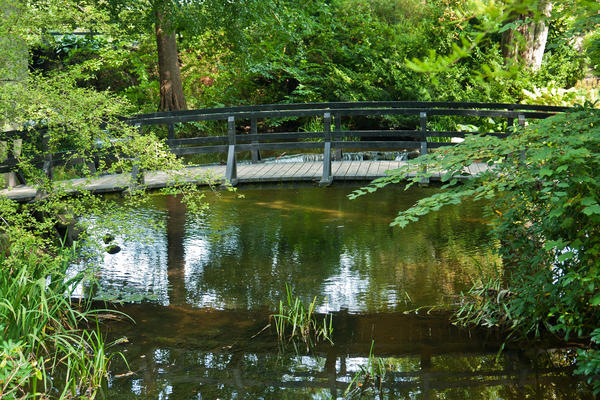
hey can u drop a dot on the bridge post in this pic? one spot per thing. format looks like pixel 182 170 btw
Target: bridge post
pixel 423 117
pixel 326 178
pixel 522 125
pixel 171 130
pixel 255 151
pixel 337 119
pixel 231 170
pixel 137 175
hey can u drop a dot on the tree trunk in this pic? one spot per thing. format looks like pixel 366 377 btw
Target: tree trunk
pixel 171 88
pixel 525 44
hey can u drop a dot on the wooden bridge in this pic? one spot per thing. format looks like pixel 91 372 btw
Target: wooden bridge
pixel 242 127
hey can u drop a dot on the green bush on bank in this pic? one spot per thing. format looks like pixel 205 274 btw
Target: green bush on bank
pixel 543 193
pixel 47 349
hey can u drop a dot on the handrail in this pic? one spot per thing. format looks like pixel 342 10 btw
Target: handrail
pixel 364 104
pixel 331 138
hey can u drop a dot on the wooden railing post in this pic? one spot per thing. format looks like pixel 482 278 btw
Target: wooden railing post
pixel 137 175
pixel 522 156
pixel 171 131
pixel 253 131
pixel 337 119
pixel 326 178
pixel 423 117
pixel 231 170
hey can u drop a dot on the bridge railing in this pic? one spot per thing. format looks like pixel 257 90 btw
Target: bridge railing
pixel 331 137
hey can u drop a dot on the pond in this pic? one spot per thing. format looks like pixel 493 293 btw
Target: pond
pixel 202 289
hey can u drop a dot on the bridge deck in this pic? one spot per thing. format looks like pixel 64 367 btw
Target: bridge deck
pixel 247 173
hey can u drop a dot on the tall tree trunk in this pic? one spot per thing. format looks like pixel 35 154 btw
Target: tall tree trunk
pixel 526 43
pixel 171 88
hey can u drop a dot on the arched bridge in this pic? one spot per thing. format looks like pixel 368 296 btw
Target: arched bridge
pixel 331 136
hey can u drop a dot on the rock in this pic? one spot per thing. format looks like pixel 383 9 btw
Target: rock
pixel 112 249
pixel 108 238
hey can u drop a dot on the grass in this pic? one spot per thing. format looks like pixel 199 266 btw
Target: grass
pixel 295 322
pixel 368 380
pixel 46 347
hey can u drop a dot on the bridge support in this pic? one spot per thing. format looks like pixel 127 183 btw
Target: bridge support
pixel 326 178
pixel 337 120
pixel 522 156
pixel 231 170
pixel 423 117
pixel 137 176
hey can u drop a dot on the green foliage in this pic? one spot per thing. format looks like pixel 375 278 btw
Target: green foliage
pixel 296 321
pixel 45 345
pixel 588 362
pixel 544 197
pixel 368 380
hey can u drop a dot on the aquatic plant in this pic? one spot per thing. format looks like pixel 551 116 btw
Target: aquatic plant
pixel 368 379
pixel 46 349
pixel 296 321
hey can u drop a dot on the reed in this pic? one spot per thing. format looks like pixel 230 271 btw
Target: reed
pixel 46 347
pixel 368 380
pixel 295 321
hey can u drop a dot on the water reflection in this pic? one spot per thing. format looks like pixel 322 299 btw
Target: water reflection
pixel 187 354
pixel 211 282
pixel 242 252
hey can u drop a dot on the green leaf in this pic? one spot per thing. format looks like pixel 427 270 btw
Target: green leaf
pixel 591 210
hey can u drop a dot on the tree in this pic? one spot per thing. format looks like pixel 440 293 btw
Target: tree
pixel 170 19
pixel 524 36
pixel 171 87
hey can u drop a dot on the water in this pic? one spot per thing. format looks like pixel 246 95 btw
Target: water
pixel 346 156
pixel 205 287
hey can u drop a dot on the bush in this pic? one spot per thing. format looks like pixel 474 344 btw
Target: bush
pixel 544 201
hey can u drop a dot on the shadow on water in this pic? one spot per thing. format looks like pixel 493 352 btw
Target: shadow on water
pixel 184 353
pixel 204 286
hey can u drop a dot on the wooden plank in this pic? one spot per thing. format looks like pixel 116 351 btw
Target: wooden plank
pixel 245 169
pixel 278 172
pixel 351 173
pixel 387 166
pixel 302 171
pixel 292 174
pixel 373 168
pixel 315 171
pixel 335 167
pixel 363 169
pixel 266 172
pixel 291 170
pixel 256 171
pixel 344 165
